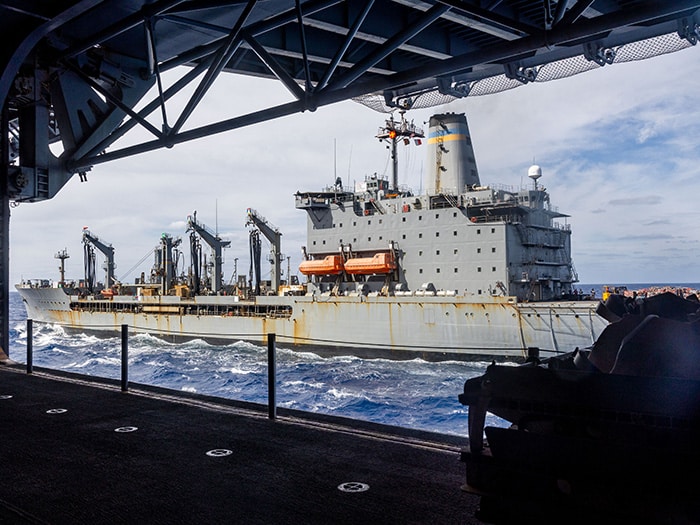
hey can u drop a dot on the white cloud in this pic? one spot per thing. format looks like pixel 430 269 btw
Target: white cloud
pixel 617 147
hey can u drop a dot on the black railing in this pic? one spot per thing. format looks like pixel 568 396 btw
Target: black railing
pixel 271 364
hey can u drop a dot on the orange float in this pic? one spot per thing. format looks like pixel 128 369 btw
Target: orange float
pixel 329 265
pixel 379 263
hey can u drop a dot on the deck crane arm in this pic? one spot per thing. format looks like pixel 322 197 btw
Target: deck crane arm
pixel 217 245
pixel 273 235
pixel 107 250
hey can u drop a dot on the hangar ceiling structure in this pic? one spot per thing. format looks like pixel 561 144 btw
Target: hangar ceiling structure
pixel 78 75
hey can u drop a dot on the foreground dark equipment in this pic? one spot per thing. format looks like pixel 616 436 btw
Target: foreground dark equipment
pixel 609 432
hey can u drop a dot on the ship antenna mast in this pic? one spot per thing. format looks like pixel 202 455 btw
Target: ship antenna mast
pixel 62 255
pixel 392 132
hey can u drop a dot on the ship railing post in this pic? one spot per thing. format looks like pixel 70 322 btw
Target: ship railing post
pixel 271 377
pixel 125 358
pixel 30 346
pixel 533 354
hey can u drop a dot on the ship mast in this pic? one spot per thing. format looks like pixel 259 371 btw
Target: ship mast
pixel 394 131
pixel 62 255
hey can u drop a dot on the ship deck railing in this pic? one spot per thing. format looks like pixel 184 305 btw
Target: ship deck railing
pixel 238 310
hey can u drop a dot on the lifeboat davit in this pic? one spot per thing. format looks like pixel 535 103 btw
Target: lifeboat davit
pixel 380 263
pixel 329 265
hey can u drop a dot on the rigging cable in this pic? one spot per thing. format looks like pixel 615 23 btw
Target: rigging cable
pixel 141 261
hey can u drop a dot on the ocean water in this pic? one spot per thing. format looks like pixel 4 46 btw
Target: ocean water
pixel 413 394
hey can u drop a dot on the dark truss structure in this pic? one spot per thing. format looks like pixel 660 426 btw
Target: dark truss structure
pixel 84 73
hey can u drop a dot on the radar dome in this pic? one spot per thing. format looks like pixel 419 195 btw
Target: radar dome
pixel 535 172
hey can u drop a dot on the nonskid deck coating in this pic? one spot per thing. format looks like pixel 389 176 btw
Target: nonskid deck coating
pixel 72 466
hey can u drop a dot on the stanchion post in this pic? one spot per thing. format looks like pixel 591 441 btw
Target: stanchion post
pixel 30 346
pixel 125 358
pixel 271 377
pixel 533 354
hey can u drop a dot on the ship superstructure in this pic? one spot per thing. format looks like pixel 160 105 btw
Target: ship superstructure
pixel 459 238
pixel 464 271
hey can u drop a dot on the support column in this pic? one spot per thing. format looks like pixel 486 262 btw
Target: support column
pixel 4 232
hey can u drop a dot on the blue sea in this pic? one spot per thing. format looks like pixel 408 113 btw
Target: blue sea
pixel 413 394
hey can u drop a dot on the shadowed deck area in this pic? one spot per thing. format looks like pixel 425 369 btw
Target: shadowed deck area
pixel 73 466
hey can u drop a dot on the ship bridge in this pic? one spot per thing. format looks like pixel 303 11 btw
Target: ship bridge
pixel 78 75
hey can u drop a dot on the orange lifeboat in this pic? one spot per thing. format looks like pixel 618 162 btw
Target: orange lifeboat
pixel 329 265
pixel 380 263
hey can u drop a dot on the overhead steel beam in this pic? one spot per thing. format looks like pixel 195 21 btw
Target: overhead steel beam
pixel 254 30
pixel 113 99
pixel 120 27
pixel 220 60
pixel 197 133
pixel 272 64
pixel 516 29
pixel 391 45
pixel 341 90
pixel 361 17
pixel 173 90
pixel 508 51
pixel 304 52
pixel 22 51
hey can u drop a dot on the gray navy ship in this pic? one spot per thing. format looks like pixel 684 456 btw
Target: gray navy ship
pixel 463 271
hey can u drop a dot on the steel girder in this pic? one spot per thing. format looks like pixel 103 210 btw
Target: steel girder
pixel 80 72
pixel 80 68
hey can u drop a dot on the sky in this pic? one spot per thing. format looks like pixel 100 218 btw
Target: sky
pixel 618 147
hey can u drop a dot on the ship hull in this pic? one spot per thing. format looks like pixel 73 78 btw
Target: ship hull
pixel 431 327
